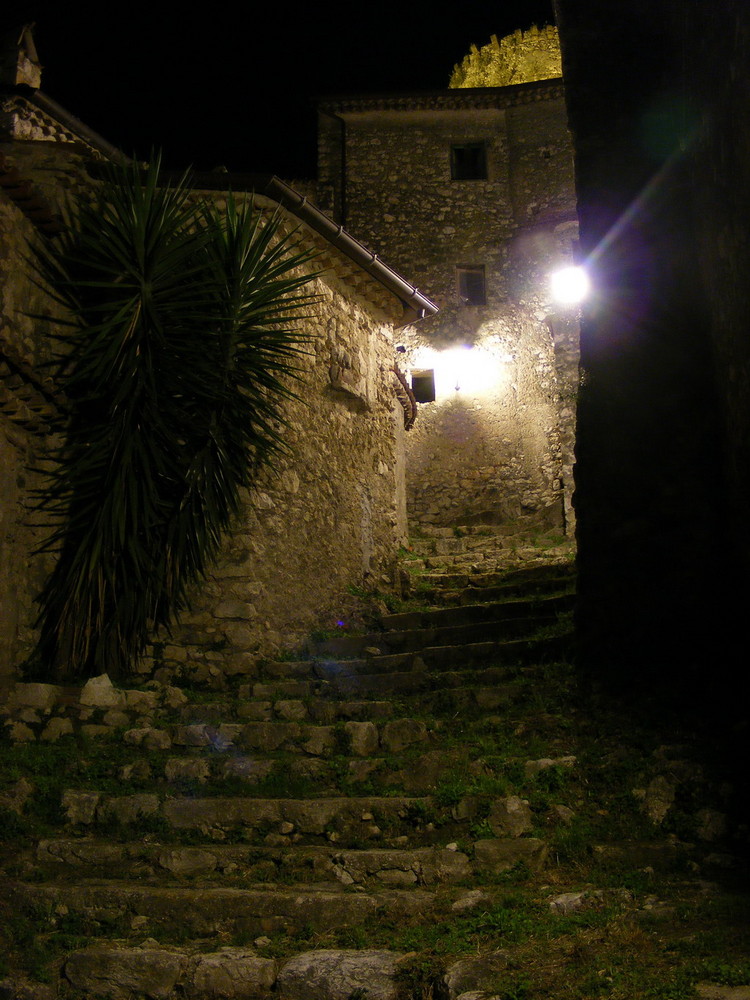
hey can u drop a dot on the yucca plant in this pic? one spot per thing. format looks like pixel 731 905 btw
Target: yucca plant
pixel 179 346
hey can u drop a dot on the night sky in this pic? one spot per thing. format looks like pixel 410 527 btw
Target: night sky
pixel 213 88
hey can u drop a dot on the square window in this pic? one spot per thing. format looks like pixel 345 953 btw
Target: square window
pixel 469 162
pixel 423 385
pixel 471 286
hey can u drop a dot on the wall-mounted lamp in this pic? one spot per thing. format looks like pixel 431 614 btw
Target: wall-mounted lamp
pixel 570 285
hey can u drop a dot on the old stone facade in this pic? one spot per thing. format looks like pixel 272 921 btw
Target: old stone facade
pixel 470 192
pixel 329 515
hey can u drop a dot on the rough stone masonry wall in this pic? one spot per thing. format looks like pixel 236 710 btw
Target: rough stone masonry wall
pixel 492 456
pixel 489 458
pixel 325 518
pixel 25 439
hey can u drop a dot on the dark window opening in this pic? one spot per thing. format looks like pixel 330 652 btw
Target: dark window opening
pixel 471 286
pixel 469 162
pixel 423 385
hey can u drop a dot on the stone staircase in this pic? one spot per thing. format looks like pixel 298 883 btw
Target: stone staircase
pixel 212 844
pixel 349 825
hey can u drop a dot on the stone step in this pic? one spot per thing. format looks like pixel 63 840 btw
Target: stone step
pixel 413 639
pixel 335 819
pixel 348 678
pixel 447 657
pixel 149 863
pixel 454 591
pixel 467 614
pixel 534 580
pixel 123 908
pixel 420 885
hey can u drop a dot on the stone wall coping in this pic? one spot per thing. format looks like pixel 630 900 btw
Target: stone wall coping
pixel 459 98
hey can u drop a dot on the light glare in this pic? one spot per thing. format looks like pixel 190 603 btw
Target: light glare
pixel 470 370
pixel 570 285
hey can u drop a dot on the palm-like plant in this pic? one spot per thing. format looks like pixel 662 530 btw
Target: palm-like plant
pixel 179 346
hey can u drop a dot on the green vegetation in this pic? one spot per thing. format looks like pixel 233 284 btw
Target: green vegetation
pixel 178 341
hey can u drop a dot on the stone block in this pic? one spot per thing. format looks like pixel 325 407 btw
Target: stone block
pixel 331 974
pixel 120 973
pixel 401 733
pixel 484 972
pixel 80 807
pixel 496 856
pixel 56 728
pixel 142 701
pixel 510 817
pixel 116 719
pixel 19 732
pixel 187 861
pixel 320 740
pixel 100 692
pixel 363 737
pixel 190 769
pixel 293 710
pixel 148 738
pixel 40 696
pixel 130 808
pixel 232 974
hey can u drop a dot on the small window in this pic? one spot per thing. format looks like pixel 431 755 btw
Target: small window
pixel 423 385
pixel 469 162
pixel 471 286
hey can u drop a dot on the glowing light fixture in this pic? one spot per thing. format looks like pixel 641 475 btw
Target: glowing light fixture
pixel 469 370
pixel 570 285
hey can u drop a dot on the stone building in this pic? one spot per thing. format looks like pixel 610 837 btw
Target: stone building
pixel 330 514
pixel 470 191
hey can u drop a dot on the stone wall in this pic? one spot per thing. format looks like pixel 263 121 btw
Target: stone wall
pixel 487 451
pixel 326 517
pixel 385 165
pixel 29 413
pixel 521 57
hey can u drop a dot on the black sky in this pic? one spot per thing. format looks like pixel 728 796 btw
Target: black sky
pixel 234 86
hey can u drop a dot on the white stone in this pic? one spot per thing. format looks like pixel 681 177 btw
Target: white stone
pixel 101 693
pixel 331 974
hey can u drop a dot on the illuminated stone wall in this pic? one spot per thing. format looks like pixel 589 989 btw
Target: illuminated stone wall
pixel 522 57
pixel 385 168
pixel 327 517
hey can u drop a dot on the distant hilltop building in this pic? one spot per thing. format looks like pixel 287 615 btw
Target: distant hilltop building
pixel 523 57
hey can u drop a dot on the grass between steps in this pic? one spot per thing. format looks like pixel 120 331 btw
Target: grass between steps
pixel 667 908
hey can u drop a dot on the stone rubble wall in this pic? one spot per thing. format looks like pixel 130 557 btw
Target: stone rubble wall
pixel 325 517
pixel 26 437
pixel 499 456
pixel 522 57
pixel 492 457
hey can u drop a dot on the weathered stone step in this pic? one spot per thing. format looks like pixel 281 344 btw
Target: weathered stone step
pixel 545 578
pixel 286 701
pixel 122 908
pixel 286 820
pixel 149 863
pixel 270 736
pixel 413 639
pixel 484 688
pixel 437 658
pixel 412 681
pixel 470 613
